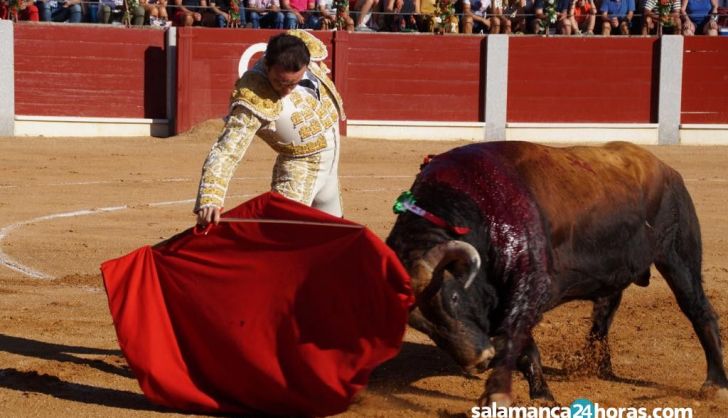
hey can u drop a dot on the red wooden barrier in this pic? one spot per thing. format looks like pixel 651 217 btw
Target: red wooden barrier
pixel 91 71
pixel 582 79
pixel 405 77
pixel 389 77
pixel 207 68
pixel 705 80
pixel 97 71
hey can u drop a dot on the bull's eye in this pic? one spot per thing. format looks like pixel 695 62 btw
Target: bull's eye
pixel 454 299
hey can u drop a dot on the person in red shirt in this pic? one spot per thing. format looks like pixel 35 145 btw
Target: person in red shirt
pixel 4 10
pixel 25 10
pixel 296 11
pixel 580 18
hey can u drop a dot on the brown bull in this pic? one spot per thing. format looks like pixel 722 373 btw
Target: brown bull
pixel 546 226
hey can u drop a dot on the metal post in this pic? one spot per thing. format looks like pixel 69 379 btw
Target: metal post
pixel 496 87
pixel 670 89
pixel 171 108
pixel 7 79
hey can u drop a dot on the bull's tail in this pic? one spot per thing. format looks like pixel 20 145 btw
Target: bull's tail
pixel 678 221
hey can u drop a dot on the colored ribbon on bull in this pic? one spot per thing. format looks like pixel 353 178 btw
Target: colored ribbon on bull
pixel 406 203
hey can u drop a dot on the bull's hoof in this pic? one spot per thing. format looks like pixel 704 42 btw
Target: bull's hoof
pixel 606 373
pixel 543 402
pixel 722 395
pixel 714 392
pixel 542 395
pixel 501 400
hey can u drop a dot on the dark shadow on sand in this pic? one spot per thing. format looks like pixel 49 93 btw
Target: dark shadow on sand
pixel 53 386
pixel 562 375
pixel 414 362
pixel 63 353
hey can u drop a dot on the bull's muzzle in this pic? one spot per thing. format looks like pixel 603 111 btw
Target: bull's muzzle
pixel 483 362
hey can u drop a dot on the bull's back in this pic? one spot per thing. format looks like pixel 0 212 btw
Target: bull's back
pixel 580 186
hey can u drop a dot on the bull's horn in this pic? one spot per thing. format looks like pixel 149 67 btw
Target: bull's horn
pixel 439 256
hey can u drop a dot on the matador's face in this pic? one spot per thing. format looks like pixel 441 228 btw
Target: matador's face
pixel 284 81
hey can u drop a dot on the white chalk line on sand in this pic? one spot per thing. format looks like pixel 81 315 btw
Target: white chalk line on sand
pixel 182 180
pixel 9 262
pixel 178 180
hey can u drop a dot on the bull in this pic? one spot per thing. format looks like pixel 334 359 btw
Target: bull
pixel 499 233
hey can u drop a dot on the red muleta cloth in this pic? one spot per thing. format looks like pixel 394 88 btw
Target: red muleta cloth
pixel 259 317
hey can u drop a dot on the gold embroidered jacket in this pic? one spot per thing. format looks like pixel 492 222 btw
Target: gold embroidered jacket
pixel 303 123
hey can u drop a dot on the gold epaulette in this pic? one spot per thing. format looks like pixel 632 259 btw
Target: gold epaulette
pixel 316 48
pixel 320 73
pixel 254 92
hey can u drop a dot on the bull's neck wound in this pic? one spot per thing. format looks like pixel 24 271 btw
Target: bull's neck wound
pixel 504 201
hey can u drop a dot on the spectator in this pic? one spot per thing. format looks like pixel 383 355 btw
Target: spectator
pixel 110 10
pixel 700 17
pixel 616 16
pixel 266 14
pixel 4 10
pixel 409 20
pixel 661 14
pixel 91 11
pixel 563 17
pixel 545 14
pixel 328 16
pixel 436 16
pixel 475 17
pixel 188 12
pixel 512 15
pixel 156 12
pixel 60 10
pixel 448 12
pixel 580 17
pixel 294 11
pixel 220 15
pixel 391 19
pixel 113 11
pixel 238 14
pixel 364 14
pixel 27 11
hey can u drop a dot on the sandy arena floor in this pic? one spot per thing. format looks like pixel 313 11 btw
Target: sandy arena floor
pixel 66 205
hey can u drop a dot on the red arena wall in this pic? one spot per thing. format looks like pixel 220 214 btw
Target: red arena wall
pixel 580 79
pixel 89 71
pixel 705 80
pixel 420 78
pixel 393 77
pixel 112 72
pixel 207 68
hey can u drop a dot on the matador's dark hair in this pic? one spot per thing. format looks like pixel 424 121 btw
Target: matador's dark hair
pixel 287 51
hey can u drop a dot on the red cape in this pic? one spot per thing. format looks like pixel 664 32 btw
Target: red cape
pixel 259 317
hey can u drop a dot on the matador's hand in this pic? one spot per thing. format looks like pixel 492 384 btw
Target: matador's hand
pixel 208 214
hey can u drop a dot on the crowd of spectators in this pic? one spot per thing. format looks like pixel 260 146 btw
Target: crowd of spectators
pixel 565 17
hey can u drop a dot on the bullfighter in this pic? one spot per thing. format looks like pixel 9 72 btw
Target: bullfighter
pixel 287 100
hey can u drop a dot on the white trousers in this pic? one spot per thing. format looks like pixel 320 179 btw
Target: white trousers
pixel 311 180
